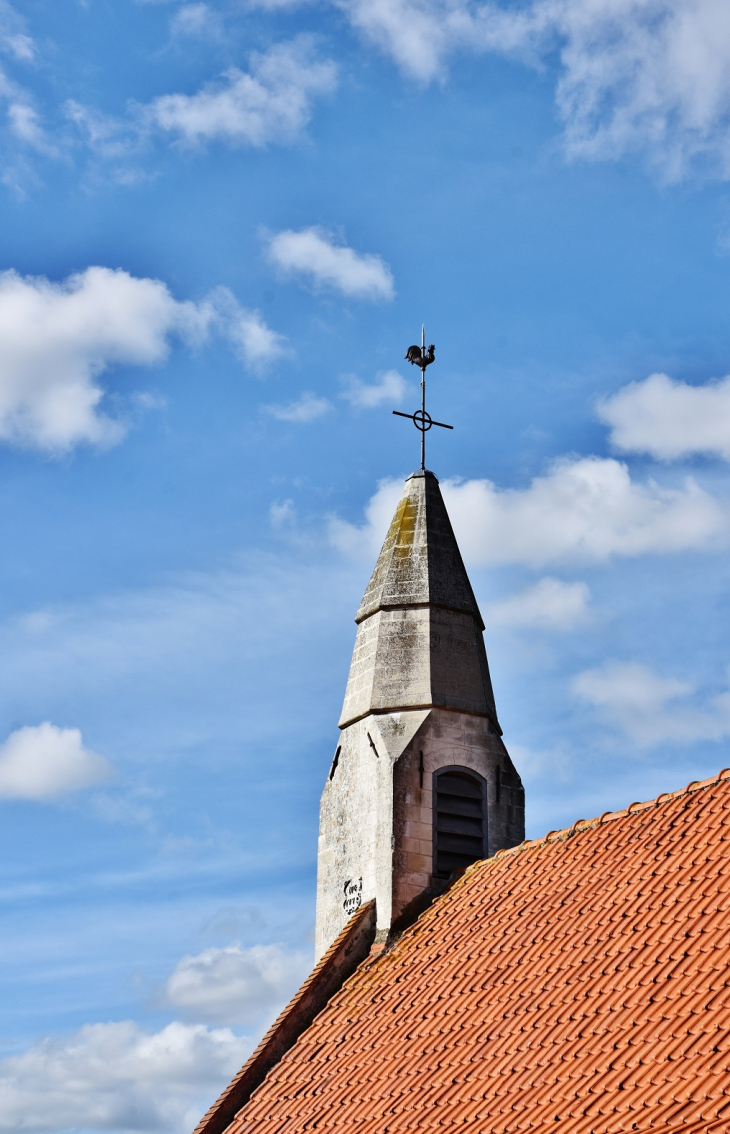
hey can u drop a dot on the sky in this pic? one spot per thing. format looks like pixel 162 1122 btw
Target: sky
pixel 223 223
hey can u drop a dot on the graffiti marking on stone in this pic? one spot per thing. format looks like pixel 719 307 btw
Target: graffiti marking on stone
pixel 353 896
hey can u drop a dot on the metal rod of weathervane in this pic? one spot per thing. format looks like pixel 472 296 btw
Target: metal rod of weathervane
pixel 419 356
pixel 423 395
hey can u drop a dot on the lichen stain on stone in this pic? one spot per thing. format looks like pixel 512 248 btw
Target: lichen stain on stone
pixel 403 527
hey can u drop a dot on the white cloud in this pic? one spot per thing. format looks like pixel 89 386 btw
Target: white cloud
pixel 23 120
pixel 364 542
pixel 582 510
pixel 108 137
pixel 418 34
pixel 56 339
pixel 550 605
pixel 195 20
pixel 277 5
pixel 234 985
pixel 315 254
pixel 25 124
pixel 643 705
pixel 389 387
pixel 282 512
pixel 306 408
pixel 253 340
pixel 13 38
pixel 636 75
pixel 269 103
pixel 118 1077
pixel 43 762
pixel 670 419
pixel 646 75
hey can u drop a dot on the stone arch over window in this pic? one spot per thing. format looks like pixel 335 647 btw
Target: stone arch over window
pixel 459 819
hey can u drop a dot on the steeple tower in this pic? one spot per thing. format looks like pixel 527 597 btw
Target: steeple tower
pixel 421 783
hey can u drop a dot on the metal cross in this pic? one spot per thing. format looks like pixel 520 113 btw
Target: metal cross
pixel 418 356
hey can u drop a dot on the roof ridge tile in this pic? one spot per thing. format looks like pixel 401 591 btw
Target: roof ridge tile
pixel 563 833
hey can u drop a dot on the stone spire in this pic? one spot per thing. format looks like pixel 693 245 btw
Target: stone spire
pixel 421 783
pixel 419 642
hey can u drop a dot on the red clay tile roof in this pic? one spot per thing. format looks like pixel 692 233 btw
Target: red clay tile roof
pixel 579 983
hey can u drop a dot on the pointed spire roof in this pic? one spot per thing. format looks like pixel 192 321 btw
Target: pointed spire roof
pixel 419 643
pixel 420 561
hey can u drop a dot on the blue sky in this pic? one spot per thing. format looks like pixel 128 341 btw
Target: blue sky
pixel 222 225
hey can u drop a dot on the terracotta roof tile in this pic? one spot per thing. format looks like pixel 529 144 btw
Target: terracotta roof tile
pixel 578 983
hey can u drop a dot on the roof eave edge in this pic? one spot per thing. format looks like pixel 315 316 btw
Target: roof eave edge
pixel 344 955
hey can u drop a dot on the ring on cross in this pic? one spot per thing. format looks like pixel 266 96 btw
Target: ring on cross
pixel 422 420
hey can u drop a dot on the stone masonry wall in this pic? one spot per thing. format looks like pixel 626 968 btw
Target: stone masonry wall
pixel 376 819
pixel 448 738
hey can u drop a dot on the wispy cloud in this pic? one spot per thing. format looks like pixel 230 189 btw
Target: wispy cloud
pixel 650 709
pixel 24 124
pixel 390 386
pixel 647 76
pixel 105 136
pixel 670 419
pixel 195 20
pixel 282 512
pixel 247 330
pixel 550 604
pixel 316 255
pixel 580 511
pixel 269 103
pixel 43 762
pixel 14 38
pixel 305 409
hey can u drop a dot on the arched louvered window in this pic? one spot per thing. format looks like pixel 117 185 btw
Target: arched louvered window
pixel 459 819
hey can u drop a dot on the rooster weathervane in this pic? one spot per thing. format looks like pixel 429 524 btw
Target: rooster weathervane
pixel 419 356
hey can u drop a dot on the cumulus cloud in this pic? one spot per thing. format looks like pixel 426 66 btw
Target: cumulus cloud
pixel 389 387
pixel 271 102
pixel 582 510
pixel 315 254
pixel 118 1077
pixel 548 605
pixel 650 709
pixel 635 75
pixel 43 761
pixel 234 985
pixel 670 419
pixel 57 339
pixel 305 409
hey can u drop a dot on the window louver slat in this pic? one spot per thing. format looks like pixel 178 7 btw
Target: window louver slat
pixel 459 820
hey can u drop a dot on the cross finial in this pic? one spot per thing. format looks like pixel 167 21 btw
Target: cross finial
pixel 418 356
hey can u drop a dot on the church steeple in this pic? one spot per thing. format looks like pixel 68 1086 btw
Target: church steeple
pixel 421 783
pixel 419 643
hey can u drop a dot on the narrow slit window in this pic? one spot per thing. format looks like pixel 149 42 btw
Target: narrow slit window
pixel 460 820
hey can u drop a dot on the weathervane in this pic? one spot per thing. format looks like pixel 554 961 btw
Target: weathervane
pixel 418 356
